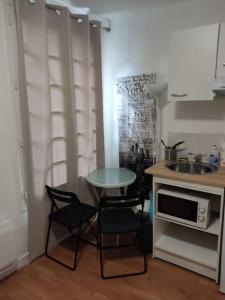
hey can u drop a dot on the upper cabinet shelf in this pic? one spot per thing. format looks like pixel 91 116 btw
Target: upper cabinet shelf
pixel 197 57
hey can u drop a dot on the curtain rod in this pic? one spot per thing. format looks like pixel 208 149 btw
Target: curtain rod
pixel 58 9
pixel 79 18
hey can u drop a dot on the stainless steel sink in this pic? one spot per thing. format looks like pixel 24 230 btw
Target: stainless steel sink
pixel 191 167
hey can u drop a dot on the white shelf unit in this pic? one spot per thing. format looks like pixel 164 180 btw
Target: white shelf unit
pixel 191 246
pixel 188 246
pixel 214 224
pixel 213 228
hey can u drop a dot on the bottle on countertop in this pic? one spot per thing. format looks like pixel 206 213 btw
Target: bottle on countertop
pixel 222 154
pixel 214 155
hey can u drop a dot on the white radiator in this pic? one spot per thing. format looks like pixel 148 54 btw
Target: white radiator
pixel 8 252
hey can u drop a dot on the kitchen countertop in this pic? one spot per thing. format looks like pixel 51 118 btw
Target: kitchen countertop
pixel 215 179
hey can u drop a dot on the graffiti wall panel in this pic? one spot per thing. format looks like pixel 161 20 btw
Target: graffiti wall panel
pixel 137 116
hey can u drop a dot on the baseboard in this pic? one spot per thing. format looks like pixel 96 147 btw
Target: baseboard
pixel 55 243
pixel 61 239
pixel 23 260
pixel 8 270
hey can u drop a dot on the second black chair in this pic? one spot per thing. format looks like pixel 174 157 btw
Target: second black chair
pixel 116 216
pixel 72 215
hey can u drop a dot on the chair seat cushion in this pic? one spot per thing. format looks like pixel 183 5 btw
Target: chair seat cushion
pixel 119 220
pixel 70 215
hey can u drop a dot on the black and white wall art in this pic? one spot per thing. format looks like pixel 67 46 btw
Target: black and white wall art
pixel 137 121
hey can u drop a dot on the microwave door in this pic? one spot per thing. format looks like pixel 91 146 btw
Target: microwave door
pixel 173 207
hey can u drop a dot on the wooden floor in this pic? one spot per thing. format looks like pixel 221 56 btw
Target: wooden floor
pixel 45 279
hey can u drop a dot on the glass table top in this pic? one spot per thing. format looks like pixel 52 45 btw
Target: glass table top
pixel 111 177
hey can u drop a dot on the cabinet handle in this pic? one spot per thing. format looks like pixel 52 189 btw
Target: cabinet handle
pixel 178 95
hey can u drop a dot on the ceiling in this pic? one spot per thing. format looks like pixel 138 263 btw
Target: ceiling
pixel 108 6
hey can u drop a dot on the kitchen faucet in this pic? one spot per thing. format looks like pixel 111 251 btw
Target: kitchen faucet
pixel 197 156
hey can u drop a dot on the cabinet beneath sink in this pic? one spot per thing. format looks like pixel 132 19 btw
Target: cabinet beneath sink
pixel 188 234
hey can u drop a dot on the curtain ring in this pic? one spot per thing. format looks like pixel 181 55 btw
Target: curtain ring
pixel 94 25
pixel 32 1
pixel 79 20
pixel 58 12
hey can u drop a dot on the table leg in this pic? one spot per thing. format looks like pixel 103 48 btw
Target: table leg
pixel 125 190
pixel 103 192
pixel 118 236
pixel 95 218
pixel 96 193
pixel 92 222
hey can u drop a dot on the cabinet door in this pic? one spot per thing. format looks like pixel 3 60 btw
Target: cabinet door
pixel 193 63
pixel 221 52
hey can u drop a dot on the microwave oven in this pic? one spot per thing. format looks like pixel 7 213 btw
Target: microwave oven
pixel 183 206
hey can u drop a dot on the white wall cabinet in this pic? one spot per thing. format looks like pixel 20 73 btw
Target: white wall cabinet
pixel 193 63
pixel 221 53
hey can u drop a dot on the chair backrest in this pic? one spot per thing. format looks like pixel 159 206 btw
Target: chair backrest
pixel 122 201
pixel 61 196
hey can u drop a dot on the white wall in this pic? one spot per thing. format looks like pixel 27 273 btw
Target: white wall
pixel 139 42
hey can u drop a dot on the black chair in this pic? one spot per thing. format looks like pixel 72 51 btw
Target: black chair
pixel 72 215
pixel 116 216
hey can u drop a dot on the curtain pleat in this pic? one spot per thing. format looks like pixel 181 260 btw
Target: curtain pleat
pixel 60 85
pixel 36 113
pixel 61 95
pixel 84 107
pixel 96 92
pixel 80 42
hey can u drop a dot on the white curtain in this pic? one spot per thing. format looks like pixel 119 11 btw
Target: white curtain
pixel 60 85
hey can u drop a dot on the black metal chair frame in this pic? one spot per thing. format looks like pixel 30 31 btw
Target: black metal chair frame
pixel 114 202
pixel 69 198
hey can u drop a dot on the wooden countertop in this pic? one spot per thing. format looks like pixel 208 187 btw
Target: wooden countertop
pixel 216 179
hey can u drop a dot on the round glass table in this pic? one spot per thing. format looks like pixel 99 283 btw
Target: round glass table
pixel 111 178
